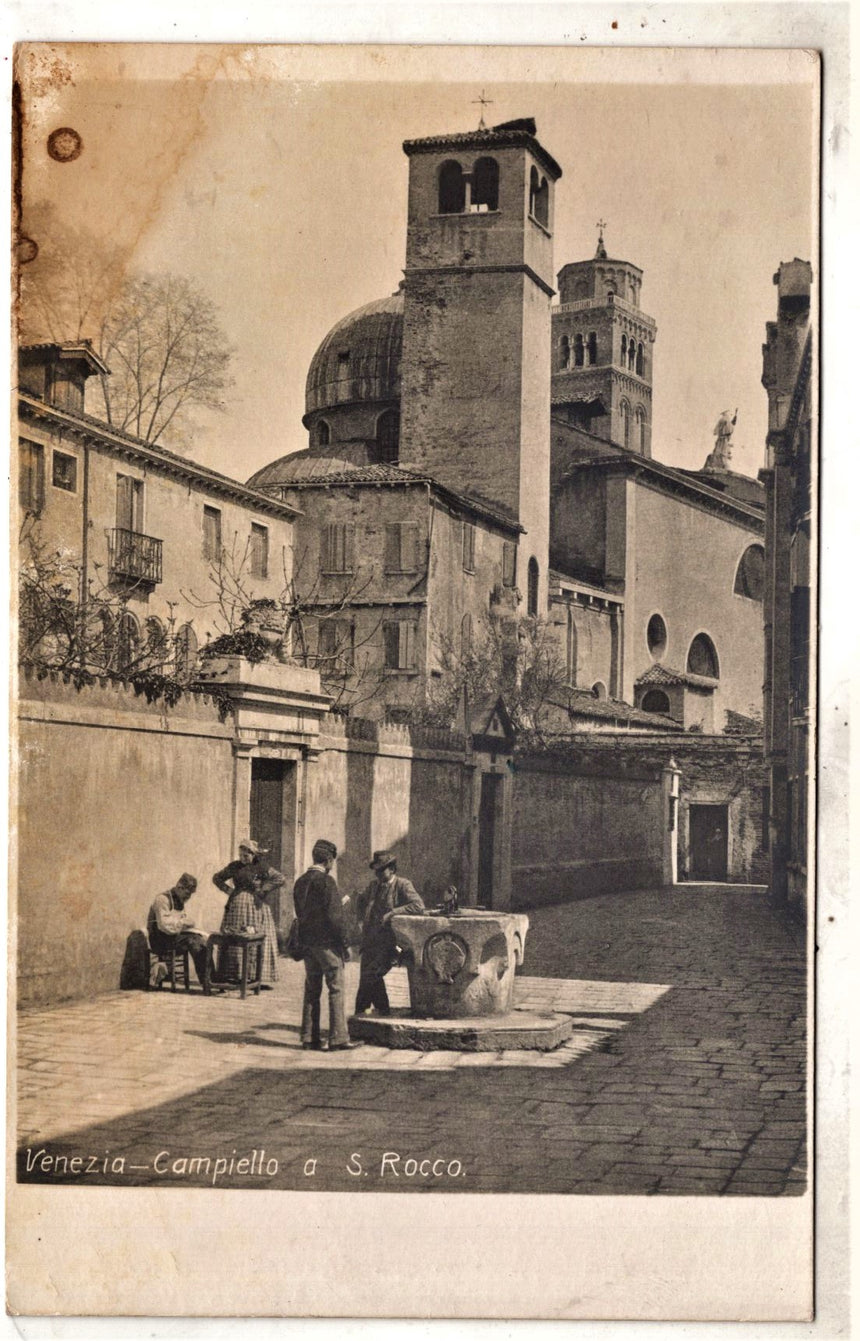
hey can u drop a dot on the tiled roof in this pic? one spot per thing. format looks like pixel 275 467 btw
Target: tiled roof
pixel 658 674
pixel 739 724
pixel 664 675
pixel 506 136
pixel 582 703
pixel 304 470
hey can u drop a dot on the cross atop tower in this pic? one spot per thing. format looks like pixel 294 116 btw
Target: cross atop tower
pixel 485 102
pixel 601 249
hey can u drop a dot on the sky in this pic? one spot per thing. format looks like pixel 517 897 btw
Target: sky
pixel 275 178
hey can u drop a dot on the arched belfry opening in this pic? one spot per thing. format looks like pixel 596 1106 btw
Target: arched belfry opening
pixel 539 197
pixel 452 188
pixel 485 185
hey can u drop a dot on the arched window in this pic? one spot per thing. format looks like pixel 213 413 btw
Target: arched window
pixel 452 188
pixel 565 351
pixel 655 701
pixel 624 349
pixel 539 198
pixel 578 351
pixel 641 429
pixel 640 359
pixel 485 185
pixel 388 437
pixel 610 292
pixel 592 347
pixel 571 647
pixel 155 650
pixel 625 422
pixel 631 355
pixel 466 636
pixel 532 591
pixel 702 657
pixel 598 689
pixel 127 643
pixel 657 636
pixel 186 653
pixel 323 433
pixel 749 579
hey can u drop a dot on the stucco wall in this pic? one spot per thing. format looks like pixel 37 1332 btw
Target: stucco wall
pixel 116 799
pixel 380 792
pixel 702 551
pixel 172 513
pixel 577 833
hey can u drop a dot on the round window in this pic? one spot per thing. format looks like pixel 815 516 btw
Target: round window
pixel 657 637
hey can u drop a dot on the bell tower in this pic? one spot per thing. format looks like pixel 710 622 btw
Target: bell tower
pixel 602 355
pixel 475 398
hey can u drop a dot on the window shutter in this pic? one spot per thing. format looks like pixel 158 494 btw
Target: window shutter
pixel 348 547
pixel 31 476
pixel 407 646
pixel 391 636
pixel 124 519
pixel 468 546
pixel 392 548
pixel 509 564
pixel 409 547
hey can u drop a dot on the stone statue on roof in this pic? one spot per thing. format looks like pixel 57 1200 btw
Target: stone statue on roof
pixel 720 457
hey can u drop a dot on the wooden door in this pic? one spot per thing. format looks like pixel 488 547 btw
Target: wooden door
pixel 709 842
pixel 267 815
pixel 487 831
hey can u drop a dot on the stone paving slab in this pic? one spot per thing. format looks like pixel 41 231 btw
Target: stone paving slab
pixel 684 1073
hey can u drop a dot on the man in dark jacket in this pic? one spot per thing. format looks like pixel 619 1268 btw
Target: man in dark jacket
pixel 323 936
pixel 387 894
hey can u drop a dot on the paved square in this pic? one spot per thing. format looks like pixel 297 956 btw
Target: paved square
pixel 684 1073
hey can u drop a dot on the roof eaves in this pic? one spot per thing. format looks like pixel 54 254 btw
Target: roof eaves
pixel 118 440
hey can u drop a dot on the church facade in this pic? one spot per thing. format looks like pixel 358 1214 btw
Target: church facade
pixel 480 456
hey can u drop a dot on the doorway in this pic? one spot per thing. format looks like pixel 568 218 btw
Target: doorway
pixel 709 843
pixel 272 799
pixel 487 824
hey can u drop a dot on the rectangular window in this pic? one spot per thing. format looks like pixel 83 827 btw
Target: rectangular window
pixel 399 639
pixel 468 547
pixel 31 476
pixel 335 644
pixel 259 552
pixel 337 547
pixel 509 564
pixel 211 533
pixel 401 547
pixel 64 472
pixel 129 503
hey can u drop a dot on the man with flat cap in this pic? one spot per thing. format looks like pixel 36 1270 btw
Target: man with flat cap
pixel 387 894
pixel 323 934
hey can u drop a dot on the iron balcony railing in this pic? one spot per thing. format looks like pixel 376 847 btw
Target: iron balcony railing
pixel 135 557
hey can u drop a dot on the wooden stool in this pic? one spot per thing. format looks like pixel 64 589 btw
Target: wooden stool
pixel 243 943
pixel 176 962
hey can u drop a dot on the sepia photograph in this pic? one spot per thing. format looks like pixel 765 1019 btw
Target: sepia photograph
pixel 414 549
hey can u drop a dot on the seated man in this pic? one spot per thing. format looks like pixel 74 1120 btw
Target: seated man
pixel 387 894
pixel 170 927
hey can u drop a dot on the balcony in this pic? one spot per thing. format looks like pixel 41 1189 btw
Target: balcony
pixel 135 557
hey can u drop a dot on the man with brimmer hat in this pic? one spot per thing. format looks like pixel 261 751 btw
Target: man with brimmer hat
pixel 387 894
pixel 323 935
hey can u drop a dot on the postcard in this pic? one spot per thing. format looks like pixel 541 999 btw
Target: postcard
pixel 414 739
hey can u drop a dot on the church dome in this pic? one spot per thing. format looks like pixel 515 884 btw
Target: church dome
pixel 298 467
pixel 359 359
